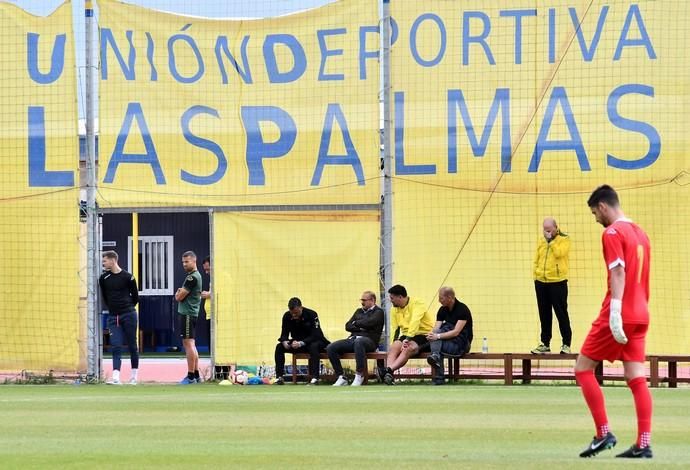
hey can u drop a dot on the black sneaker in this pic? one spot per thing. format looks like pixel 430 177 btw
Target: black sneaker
pixel 279 381
pixel 380 373
pixel 388 377
pixel 598 444
pixel 434 360
pixel 438 381
pixel 637 453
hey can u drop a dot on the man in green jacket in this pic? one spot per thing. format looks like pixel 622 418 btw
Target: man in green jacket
pixel 551 285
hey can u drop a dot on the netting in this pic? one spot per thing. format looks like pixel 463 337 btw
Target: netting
pixel 248 114
pixel 251 133
pixel 534 105
pixel 42 315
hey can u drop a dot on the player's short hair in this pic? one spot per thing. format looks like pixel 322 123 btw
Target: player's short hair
pixel 294 302
pixel 605 194
pixel 110 254
pixel 189 254
pixel 398 290
pixel 207 260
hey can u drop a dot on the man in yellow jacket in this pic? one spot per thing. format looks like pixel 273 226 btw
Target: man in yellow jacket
pixel 551 285
pixel 411 321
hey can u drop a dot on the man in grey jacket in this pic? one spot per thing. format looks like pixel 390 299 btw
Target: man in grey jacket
pixel 365 329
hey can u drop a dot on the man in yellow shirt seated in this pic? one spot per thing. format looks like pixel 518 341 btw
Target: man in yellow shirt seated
pixel 411 321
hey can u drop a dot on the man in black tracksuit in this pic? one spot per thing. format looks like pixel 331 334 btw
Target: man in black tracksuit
pixel 120 294
pixel 301 333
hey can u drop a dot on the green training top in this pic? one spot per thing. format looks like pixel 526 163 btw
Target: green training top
pixel 190 305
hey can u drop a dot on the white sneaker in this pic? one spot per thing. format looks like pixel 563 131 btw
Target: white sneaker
pixel 359 380
pixel 313 381
pixel 341 381
pixel 114 382
pixel 132 381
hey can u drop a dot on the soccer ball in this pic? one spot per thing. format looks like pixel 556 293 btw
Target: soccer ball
pixel 240 377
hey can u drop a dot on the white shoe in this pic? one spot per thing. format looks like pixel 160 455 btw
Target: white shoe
pixel 359 380
pixel 341 381
pixel 132 381
pixel 313 381
pixel 114 382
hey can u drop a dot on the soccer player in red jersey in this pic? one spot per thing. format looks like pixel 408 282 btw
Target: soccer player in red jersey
pixel 619 332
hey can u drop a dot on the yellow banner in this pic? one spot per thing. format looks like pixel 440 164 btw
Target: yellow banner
pixel 220 112
pixel 263 260
pixel 40 319
pixel 534 104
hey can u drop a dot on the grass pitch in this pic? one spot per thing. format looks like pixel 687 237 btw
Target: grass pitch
pixel 419 426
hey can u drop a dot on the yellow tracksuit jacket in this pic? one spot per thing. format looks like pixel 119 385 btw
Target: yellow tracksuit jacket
pixel 551 259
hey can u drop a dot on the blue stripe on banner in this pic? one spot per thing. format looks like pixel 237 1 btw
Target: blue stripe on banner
pixel 88 13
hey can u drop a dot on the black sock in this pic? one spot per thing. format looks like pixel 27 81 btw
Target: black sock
pixel 190 375
pixel 196 374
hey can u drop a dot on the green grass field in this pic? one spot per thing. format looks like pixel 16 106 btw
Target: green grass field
pixel 409 426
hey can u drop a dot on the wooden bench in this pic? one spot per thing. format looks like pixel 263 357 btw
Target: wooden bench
pixel 379 357
pixel 672 370
pixel 508 375
pixel 525 373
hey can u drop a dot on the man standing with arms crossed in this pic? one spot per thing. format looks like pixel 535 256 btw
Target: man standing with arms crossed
pixel 120 294
pixel 189 301
pixel 620 330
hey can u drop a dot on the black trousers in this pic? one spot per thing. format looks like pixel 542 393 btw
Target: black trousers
pixel 123 327
pixel 360 346
pixel 553 295
pixel 313 349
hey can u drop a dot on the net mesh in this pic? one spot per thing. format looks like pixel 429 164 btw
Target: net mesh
pixel 42 313
pixel 264 120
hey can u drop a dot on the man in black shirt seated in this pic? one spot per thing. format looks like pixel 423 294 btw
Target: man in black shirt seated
pixel 120 294
pixel 452 333
pixel 300 333
pixel 365 329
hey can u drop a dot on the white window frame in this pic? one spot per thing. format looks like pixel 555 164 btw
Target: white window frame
pixel 153 248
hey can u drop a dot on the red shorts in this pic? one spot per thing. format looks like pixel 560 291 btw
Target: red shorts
pixel 600 345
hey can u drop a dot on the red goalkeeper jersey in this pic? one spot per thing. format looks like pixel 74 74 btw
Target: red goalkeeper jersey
pixel 625 244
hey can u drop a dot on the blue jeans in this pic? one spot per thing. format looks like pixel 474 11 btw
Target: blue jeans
pixel 121 327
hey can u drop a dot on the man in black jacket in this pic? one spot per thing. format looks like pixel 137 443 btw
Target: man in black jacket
pixel 365 329
pixel 301 333
pixel 120 293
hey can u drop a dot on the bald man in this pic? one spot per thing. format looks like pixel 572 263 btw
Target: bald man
pixel 551 285
pixel 452 333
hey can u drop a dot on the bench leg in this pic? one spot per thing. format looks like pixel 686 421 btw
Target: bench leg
pixel 508 368
pixel 380 363
pixel 653 372
pixel 294 369
pixel 456 369
pixel 672 374
pixel 527 371
pixel 599 373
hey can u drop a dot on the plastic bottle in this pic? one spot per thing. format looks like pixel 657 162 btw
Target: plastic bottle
pixel 485 345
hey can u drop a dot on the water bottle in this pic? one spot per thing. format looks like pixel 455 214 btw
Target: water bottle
pixel 485 345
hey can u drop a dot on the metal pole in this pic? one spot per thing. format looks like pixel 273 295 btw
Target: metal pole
pixel 387 155
pixel 212 314
pixel 94 359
